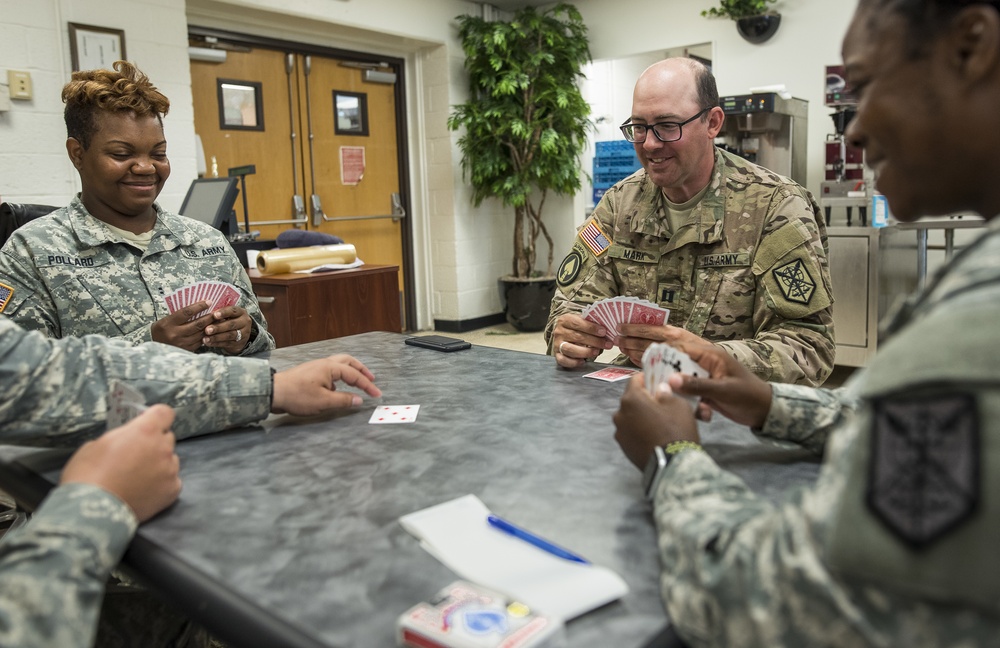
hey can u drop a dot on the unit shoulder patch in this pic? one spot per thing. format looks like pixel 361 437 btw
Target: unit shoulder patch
pixel 569 269
pixel 795 282
pixel 924 474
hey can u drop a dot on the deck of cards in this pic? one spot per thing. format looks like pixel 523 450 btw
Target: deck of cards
pixel 465 615
pixel 218 294
pixel 660 361
pixel 612 312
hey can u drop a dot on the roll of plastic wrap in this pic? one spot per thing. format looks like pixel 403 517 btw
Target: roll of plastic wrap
pixel 280 261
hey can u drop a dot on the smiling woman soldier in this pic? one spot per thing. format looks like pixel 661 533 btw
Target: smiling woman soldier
pixel 104 263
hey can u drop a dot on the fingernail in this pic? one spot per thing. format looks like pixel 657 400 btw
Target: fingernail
pixel 355 400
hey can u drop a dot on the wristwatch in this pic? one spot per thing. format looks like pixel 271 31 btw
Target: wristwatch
pixel 654 471
pixel 658 462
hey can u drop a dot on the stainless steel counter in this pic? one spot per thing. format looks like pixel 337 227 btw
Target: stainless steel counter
pixel 873 267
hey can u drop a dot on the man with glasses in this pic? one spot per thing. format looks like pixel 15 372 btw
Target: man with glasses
pixel 736 252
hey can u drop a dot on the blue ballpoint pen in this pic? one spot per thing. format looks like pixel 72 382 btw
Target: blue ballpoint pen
pixel 531 538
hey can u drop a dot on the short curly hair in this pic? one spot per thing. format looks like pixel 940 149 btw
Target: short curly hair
pixel 124 89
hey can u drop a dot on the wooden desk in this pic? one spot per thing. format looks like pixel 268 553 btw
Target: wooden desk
pixel 302 308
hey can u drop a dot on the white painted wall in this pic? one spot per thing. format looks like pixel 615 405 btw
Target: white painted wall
pixel 460 250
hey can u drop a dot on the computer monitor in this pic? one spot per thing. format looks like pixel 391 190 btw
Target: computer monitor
pixel 211 200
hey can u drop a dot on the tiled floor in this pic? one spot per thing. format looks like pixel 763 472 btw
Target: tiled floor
pixel 505 336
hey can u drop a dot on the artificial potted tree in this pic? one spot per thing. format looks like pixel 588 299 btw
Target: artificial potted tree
pixel 525 126
pixel 755 20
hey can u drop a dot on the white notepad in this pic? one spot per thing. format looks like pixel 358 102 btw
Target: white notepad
pixel 457 534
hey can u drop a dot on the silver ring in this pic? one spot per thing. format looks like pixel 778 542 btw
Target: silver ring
pixel 239 335
pixel 561 344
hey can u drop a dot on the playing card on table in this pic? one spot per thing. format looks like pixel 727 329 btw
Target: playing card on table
pixel 612 312
pixel 660 361
pixel 611 374
pixel 394 414
pixel 124 404
pixel 218 294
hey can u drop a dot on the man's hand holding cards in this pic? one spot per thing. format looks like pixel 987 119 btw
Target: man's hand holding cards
pixel 660 361
pixel 611 313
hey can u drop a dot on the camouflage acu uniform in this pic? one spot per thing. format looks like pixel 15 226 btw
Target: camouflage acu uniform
pixel 749 269
pixel 54 568
pixel 54 391
pixel 54 394
pixel 71 275
pixel 895 545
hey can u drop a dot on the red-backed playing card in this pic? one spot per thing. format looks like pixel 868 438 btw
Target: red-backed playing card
pixel 611 374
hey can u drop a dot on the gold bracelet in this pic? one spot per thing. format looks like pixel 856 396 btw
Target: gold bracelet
pixel 675 447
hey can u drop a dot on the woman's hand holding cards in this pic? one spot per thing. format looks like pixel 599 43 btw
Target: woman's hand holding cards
pixel 730 388
pixel 644 421
pixel 229 330
pixel 180 330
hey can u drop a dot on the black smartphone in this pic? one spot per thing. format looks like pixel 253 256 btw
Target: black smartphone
pixel 438 342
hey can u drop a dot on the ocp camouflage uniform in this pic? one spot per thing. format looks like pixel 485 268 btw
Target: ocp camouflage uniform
pixel 748 270
pixel 896 543
pixel 54 394
pixel 54 568
pixel 71 275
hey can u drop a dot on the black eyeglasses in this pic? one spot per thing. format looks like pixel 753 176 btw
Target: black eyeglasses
pixel 664 131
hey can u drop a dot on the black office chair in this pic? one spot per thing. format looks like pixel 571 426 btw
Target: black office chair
pixel 14 215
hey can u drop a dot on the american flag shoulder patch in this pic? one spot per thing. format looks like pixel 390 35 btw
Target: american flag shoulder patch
pixel 6 292
pixel 594 238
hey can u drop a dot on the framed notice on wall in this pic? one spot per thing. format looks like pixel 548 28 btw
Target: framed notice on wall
pixel 93 48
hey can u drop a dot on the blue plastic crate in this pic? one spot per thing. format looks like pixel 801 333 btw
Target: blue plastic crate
pixel 619 169
pixel 612 147
pixel 608 179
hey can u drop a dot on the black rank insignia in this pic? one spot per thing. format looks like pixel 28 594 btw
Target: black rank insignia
pixel 924 472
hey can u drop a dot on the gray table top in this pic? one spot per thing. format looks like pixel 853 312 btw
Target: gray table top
pixel 299 518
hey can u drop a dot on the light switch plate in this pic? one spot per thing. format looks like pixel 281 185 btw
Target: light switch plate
pixel 20 84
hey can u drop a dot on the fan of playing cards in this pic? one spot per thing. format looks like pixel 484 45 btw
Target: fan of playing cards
pixel 218 294
pixel 660 361
pixel 615 311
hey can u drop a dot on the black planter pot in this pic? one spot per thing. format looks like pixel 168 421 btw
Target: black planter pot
pixel 757 29
pixel 527 301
